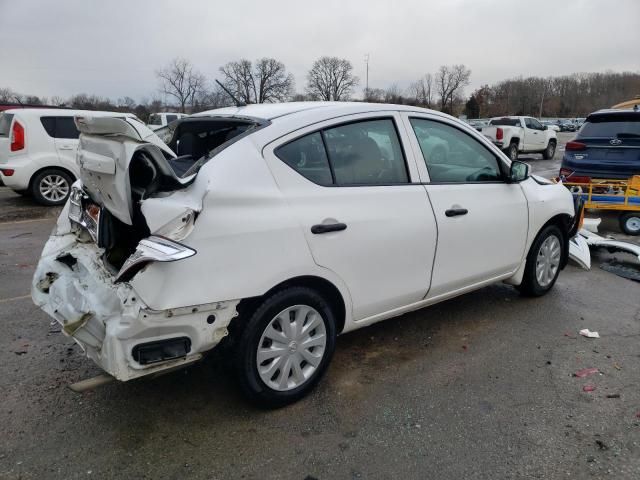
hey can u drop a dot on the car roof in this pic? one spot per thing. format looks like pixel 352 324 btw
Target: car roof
pixel 270 111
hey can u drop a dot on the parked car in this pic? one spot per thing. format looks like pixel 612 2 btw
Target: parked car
pixel 159 120
pixel 566 126
pixel 515 135
pixel 607 146
pixel 38 151
pixel 551 125
pixel 294 222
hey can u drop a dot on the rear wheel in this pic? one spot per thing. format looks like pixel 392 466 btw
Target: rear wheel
pixel 543 262
pixel 512 151
pixel 285 347
pixel 630 223
pixel 550 151
pixel 51 187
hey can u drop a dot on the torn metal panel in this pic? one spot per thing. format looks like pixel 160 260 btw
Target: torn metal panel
pixel 579 252
pixel 595 240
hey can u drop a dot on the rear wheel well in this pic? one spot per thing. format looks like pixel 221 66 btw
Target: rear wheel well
pixel 62 169
pixel 515 140
pixel 553 140
pixel 324 287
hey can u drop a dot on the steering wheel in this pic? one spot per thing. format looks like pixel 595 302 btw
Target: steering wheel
pixel 485 173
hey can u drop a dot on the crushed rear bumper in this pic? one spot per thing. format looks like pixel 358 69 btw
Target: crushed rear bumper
pixel 111 322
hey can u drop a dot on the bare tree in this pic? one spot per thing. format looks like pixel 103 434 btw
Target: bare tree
pixel 331 78
pixel 180 81
pixel 421 91
pixel 450 80
pixel 265 82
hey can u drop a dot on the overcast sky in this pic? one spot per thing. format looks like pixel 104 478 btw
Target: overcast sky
pixel 112 48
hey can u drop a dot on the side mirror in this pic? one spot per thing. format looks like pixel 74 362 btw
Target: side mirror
pixel 545 127
pixel 518 172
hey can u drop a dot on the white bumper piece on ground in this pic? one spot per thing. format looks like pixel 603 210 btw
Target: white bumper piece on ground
pixel 108 320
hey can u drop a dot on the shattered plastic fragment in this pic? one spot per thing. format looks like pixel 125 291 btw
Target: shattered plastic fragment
pixel 586 372
pixel 585 332
pixel 588 388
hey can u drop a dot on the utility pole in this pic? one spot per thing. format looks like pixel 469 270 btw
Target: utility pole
pixel 366 89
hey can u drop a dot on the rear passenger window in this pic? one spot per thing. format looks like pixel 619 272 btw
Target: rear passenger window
pixel 60 127
pixel 359 153
pixel 171 118
pixel 307 156
pixel 366 153
pixel 66 128
pixel 5 124
pixel 49 124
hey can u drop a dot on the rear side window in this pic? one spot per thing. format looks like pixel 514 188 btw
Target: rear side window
pixel 171 118
pixel 66 128
pixel 507 122
pixel 612 126
pixel 60 127
pixel 5 124
pixel 307 156
pixel 360 153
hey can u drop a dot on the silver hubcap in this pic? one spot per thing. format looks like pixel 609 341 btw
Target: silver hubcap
pixel 291 348
pixel 548 260
pixel 633 224
pixel 54 188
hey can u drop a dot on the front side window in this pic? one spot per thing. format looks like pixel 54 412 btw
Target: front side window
pixel 452 156
pixel 171 118
pixel 536 124
pixel 359 153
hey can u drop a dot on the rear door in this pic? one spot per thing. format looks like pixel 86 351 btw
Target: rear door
pixel 482 220
pixel 364 213
pixel 5 136
pixel 65 136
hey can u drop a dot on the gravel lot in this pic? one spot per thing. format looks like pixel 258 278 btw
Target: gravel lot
pixel 481 386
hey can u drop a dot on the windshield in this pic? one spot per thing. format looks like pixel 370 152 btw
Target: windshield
pixel 154 119
pixel 5 124
pixel 508 122
pixel 612 126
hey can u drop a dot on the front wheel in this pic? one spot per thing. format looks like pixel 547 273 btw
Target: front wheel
pixel 550 151
pixel 630 223
pixel 543 262
pixel 285 347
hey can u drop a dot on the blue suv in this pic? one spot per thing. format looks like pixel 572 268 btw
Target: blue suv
pixel 607 146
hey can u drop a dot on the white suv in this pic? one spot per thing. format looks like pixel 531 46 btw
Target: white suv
pixel 287 225
pixel 38 151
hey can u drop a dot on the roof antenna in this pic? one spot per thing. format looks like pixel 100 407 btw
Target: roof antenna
pixel 238 102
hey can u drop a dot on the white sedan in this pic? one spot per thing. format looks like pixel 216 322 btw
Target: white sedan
pixel 271 229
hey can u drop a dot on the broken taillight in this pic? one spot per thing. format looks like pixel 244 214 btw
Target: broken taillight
pixel 499 133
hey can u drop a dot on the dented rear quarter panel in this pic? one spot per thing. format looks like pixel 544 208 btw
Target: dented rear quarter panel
pixel 247 241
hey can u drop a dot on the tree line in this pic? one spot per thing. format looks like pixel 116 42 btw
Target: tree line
pixel 182 87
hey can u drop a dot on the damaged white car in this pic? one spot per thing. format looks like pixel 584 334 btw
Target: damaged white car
pixel 281 226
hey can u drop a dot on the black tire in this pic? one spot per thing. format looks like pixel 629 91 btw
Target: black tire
pixel 52 176
pixel 530 285
pixel 550 151
pixel 248 342
pixel 630 223
pixel 512 151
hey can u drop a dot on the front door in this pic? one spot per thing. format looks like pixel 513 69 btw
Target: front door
pixel 482 220
pixel 349 184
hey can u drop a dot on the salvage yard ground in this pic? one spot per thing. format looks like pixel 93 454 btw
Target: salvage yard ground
pixel 480 386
